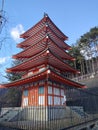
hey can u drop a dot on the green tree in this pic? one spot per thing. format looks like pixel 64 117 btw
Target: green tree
pixel 88 44
pixel 13 76
pixel 79 58
pixel 12 97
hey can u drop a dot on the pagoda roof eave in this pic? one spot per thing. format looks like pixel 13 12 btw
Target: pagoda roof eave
pixel 64 36
pixel 44 19
pixel 70 67
pixel 51 34
pixel 24 35
pixel 36 36
pixel 67 47
pixel 28 52
pixel 43 75
pixel 61 78
pixel 25 80
pixel 26 62
pixel 43 58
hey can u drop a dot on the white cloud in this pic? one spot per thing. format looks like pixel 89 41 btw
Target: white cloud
pixel 16 31
pixel 4 59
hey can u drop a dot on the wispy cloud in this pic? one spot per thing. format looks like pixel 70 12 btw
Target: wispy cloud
pixel 4 59
pixel 16 31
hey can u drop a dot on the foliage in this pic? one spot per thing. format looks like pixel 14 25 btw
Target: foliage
pixel 13 76
pixel 88 43
pixel 85 51
pixel 75 52
pixel 12 97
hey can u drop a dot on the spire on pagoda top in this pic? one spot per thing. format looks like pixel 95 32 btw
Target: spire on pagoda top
pixel 45 14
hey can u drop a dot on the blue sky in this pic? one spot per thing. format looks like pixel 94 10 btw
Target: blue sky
pixel 73 17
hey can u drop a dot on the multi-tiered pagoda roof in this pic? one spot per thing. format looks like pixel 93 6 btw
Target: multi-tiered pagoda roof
pixel 44 56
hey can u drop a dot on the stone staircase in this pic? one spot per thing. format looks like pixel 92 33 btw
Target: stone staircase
pixel 9 114
pixel 79 110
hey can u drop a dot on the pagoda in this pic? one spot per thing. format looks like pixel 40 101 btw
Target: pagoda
pixel 43 66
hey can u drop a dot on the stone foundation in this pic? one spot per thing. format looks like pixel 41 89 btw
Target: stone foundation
pixel 42 113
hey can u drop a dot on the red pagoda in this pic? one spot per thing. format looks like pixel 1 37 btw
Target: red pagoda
pixel 43 66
